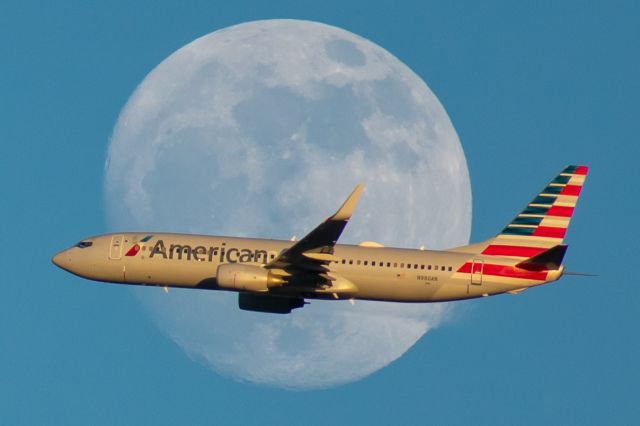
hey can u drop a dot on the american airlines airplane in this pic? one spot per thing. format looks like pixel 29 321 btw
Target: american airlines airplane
pixel 277 276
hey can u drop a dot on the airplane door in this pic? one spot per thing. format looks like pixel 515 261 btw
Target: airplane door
pixel 476 271
pixel 115 250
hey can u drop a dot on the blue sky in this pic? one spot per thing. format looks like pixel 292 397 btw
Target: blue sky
pixel 529 88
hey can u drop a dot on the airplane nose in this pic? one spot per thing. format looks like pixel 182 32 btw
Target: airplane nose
pixel 62 260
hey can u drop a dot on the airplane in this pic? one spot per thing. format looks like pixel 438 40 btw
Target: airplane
pixel 276 276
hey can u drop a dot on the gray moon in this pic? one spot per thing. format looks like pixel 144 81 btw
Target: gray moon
pixel 262 129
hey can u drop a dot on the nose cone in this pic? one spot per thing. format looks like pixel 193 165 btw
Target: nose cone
pixel 62 260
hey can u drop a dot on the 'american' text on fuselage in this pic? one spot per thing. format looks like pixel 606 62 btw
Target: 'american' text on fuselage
pixel 211 253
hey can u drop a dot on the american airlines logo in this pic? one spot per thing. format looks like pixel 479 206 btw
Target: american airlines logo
pixel 137 247
pixel 208 254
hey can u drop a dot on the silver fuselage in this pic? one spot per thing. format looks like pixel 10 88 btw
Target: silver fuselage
pixel 378 273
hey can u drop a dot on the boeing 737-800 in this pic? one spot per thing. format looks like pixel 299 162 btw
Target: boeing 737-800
pixel 277 276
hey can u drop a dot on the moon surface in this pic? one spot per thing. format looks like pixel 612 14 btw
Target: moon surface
pixel 262 129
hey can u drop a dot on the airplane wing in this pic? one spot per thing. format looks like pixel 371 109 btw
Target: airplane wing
pixel 306 261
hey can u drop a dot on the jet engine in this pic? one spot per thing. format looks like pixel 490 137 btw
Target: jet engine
pixel 234 276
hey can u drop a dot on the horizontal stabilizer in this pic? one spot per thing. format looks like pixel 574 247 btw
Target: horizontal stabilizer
pixel 546 261
pixel 580 274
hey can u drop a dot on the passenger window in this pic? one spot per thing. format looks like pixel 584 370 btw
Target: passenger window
pixel 402 265
pixel 351 262
pixel 373 263
pixel 450 268
pixel 395 264
pixel 358 262
pixel 428 267
pixel 421 266
pixel 344 261
pixel 365 262
pixel 388 264
pixel 442 268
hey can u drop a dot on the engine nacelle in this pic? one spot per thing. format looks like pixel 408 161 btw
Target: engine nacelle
pixel 235 276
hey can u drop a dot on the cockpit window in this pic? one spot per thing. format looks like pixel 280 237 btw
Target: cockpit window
pixel 84 244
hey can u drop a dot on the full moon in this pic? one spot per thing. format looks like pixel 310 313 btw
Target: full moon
pixel 262 129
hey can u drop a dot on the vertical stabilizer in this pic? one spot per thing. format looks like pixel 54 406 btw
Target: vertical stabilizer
pixel 544 221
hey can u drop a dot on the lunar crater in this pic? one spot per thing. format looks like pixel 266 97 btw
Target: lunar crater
pixel 345 52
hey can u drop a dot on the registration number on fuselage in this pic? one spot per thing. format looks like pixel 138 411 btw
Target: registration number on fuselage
pixel 427 278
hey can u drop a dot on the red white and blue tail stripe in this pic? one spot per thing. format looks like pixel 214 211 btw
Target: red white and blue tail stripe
pixel 544 221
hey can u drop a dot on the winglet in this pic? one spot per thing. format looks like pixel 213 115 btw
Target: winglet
pixel 345 212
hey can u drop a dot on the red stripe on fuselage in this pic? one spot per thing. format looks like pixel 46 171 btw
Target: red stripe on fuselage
pixel 503 250
pixel 506 271
pixel 465 269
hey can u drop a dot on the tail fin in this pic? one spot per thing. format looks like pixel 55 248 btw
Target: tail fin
pixel 544 221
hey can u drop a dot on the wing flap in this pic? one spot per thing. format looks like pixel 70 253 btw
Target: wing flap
pixel 326 257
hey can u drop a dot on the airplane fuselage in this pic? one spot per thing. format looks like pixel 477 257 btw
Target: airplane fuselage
pixel 277 276
pixel 365 272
